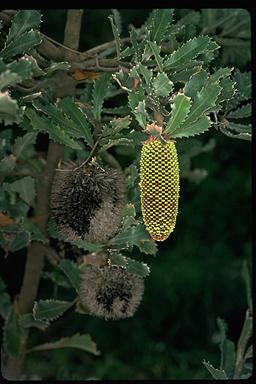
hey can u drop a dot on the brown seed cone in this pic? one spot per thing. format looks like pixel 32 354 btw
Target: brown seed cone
pixel 87 203
pixel 110 291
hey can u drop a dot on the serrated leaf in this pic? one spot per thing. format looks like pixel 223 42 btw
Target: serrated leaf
pixel 132 266
pixel 23 21
pixel 116 34
pixel 28 321
pixel 82 342
pixel 195 83
pixel 142 70
pixel 24 43
pixel 141 114
pixel 162 85
pixel 25 187
pixel 240 113
pixel 227 91
pixel 159 23
pixel 200 126
pixel 220 74
pixel 227 348
pixel 184 75
pixel 14 335
pixel 136 235
pixel 50 309
pixel 23 142
pixel 9 110
pixel 21 240
pixel 22 68
pixel 216 373
pixel 55 132
pixel 243 84
pixel 78 117
pixel 204 101
pixel 180 109
pixel 99 92
pixel 188 51
pixel 8 79
pixel 244 131
pixel 155 50
pixel 111 143
pixel 7 164
pixel 72 272
pixel 5 301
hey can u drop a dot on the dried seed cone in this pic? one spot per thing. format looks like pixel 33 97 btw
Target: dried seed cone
pixel 110 291
pixel 87 203
pixel 159 185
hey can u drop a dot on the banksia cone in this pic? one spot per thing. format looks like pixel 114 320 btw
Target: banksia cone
pixel 110 291
pixel 159 185
pixel 87 202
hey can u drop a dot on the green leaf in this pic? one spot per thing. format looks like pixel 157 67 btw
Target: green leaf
pixel 7 164
pixel 227 91
pixel 28 321
pixel 162 85
pixel 240 113
pixel 220 74
pixel 132 266
pixel 60 66
pixel 5 301
pixel 155 50
pixel 116 36
pixel 22 44
pixel 195 83
pixel 23 142
pixel 216 373
pixel 141 70
pixel 227 348
pixel 78 118
pixel 200 126
pixel 99 91
pixel 22 68
pixel 14 335
pixel 204 101
pixel 159 23
pixel 55 132
pixel 243 84
pixel 9 110
pixel 136 235
pixel 82 342
pixel 188 51
pixel 111 143
pixel 8 79
pixel 180 109
pixel 50 309
pixel 117 19
pixel 244 131
pixel 21 240
pixel 22 22
pixel 141 114
pixel 184 75
pixel 25 188
pixel 71 270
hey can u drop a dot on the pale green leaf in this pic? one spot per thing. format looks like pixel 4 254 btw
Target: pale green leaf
pixel 180 109
pixel 82 342
pixel 162 85
pixel 9 110
pixel 22 44
pixel 196 128
pixel 188 51
pixel 99 91
pixel 111 143
pixel 7 164
pixel 72 272
pixel 23 21
pixel 61 66
pixel 155 50
pixel 25 187
pixel 184 75
pixel 8 79
pixel 141 114
pixel 116 34
pixel 22 68
pixel 216 373
pixel 50 309
pixel 227 348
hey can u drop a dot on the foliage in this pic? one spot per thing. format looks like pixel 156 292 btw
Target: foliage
pixel 186 70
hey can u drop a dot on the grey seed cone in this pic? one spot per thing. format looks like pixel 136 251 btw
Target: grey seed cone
pixel 87 203
pixel 110 291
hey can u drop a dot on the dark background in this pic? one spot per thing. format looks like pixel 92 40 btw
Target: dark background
pixel 195 277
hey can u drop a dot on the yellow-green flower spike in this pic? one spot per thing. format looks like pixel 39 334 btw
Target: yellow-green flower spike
pixel 159 186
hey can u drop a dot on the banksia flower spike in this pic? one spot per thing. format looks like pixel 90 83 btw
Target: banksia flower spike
pixel 110 292
pixel 87 202
pixel 159 185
